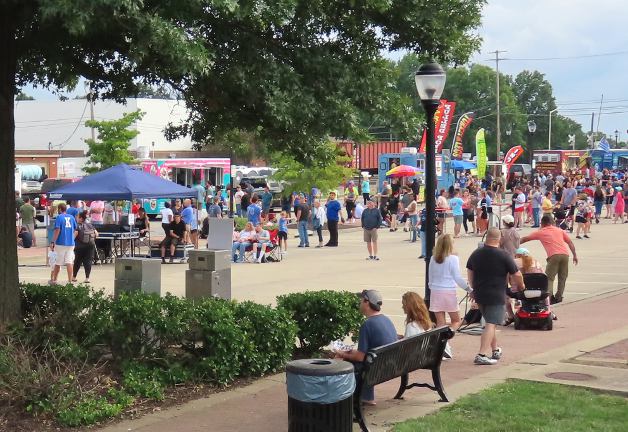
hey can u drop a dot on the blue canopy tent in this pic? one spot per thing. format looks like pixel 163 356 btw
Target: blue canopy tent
pixel 121 182
pixel 459 165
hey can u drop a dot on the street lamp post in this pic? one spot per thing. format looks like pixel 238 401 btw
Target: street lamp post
pixel 616 138
pixel 531 130
pixel 549 136
pixel 231 181
pixel 430 82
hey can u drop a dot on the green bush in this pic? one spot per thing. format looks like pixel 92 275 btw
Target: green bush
pixel 322 317
pixel 240 223
pixel 146 325
pixel 74 346
pixel 66 315
pixel 218 343
pixel 272 333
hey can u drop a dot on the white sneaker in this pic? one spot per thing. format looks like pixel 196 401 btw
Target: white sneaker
pixel 449 353
pixel 481 359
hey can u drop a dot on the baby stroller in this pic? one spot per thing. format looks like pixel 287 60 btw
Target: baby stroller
pixel 562 219
pixel 534 311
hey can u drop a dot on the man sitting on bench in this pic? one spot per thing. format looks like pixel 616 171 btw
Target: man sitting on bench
pixel 375 331
pixel 176 233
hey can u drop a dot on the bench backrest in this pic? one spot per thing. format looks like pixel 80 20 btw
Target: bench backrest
pixel 423 351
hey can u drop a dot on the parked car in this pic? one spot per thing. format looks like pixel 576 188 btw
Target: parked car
pixel 259 182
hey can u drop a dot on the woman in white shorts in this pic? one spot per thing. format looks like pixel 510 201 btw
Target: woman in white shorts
pixel 444 272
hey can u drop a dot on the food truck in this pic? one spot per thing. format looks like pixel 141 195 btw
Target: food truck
pixel 186 172
pixel 409 156
pixel 558 161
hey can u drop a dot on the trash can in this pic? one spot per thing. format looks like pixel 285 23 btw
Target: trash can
pixel 320 395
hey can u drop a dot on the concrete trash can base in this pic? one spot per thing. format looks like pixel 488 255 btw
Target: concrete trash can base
pixel 320 395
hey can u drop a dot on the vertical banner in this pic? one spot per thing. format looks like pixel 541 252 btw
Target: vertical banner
pixel 480 151
pixel 443 124
pixel 437 116
pixel 511 157
pixel 463 123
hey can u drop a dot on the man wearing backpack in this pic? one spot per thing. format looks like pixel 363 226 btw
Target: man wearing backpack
pixel 85 245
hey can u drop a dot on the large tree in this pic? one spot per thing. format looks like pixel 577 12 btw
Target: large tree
pixel 115 44
pixel 289 73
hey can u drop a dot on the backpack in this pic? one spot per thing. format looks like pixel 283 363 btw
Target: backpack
pixel 87 234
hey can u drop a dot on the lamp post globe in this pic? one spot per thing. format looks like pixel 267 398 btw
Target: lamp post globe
pixel 430 82
pixel 531 130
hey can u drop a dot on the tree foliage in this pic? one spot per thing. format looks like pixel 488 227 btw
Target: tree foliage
pixel 294 71
pixel 325 171
pixel 21 96
pixel 112 146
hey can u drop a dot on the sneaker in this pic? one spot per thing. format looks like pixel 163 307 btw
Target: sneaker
pixel 163 260
pixel 578 237
pixel 301 246
pixel 369 258
pixel 376 258
pixel 586 236
pixel 422 257
pixel 448 353
pixel 497 353
pixel 481 359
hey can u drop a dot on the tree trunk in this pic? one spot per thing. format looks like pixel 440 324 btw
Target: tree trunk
pixel 9 290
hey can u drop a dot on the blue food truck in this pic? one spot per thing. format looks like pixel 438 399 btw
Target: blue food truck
pixel 387 161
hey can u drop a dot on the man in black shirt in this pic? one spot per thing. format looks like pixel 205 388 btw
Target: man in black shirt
pixel 176 232
pixel 303 214
pixel 489 270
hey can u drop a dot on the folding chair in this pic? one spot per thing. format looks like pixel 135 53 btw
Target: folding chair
pixel 273 251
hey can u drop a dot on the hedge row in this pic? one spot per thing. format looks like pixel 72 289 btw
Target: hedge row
pixel 70 335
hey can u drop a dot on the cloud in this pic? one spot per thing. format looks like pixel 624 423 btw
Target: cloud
pixel 533 29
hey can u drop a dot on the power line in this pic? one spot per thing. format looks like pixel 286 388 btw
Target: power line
pixel 75 129
pixel 575 57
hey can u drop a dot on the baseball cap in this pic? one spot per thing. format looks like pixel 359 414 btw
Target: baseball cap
pixel 508 219
pixel 374 298
pixel 522 251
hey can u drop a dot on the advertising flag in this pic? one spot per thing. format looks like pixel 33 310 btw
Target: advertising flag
pixel 480 152
pixel 443 124
pixel 463 123
pixel 437 116
pixel 512 156
pixel 604 145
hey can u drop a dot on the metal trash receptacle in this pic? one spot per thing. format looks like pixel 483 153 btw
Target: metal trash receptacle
pixel 320 395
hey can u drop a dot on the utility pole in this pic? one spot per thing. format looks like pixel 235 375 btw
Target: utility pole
pixel 592 143
pixel 499 131
pixel 90 100
pixel 599 114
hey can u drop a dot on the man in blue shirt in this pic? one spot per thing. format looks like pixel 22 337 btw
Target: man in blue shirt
pixel 333 216
pixel 456 209
pixel 267 199
pixel 253 212
pixel 375 331
pixel 189 216
pixel 63 243
pixel 73 209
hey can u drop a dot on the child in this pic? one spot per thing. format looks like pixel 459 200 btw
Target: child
pixel 581 216
pixel 52 260
pixel 283 233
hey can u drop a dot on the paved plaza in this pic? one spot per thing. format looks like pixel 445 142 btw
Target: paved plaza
pixel 591 318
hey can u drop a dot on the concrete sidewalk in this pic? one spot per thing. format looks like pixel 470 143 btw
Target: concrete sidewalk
pixel 583 327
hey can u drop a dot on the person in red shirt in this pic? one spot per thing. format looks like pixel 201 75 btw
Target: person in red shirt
pixel 557 245
pixel 135 208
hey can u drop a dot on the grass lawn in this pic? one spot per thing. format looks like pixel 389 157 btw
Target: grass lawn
pixel 527 406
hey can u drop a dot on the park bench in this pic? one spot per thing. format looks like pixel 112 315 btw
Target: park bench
pixel 397 360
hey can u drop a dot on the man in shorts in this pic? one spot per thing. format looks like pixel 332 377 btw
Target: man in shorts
pixel 456 204
pixel 190 218
pixel 63 243
pixel 489 270
pixel 371 220
pixel 176 234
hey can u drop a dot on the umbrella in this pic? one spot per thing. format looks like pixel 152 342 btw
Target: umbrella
pixel 403 171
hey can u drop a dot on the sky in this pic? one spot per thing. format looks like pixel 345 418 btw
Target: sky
pixel 534 29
